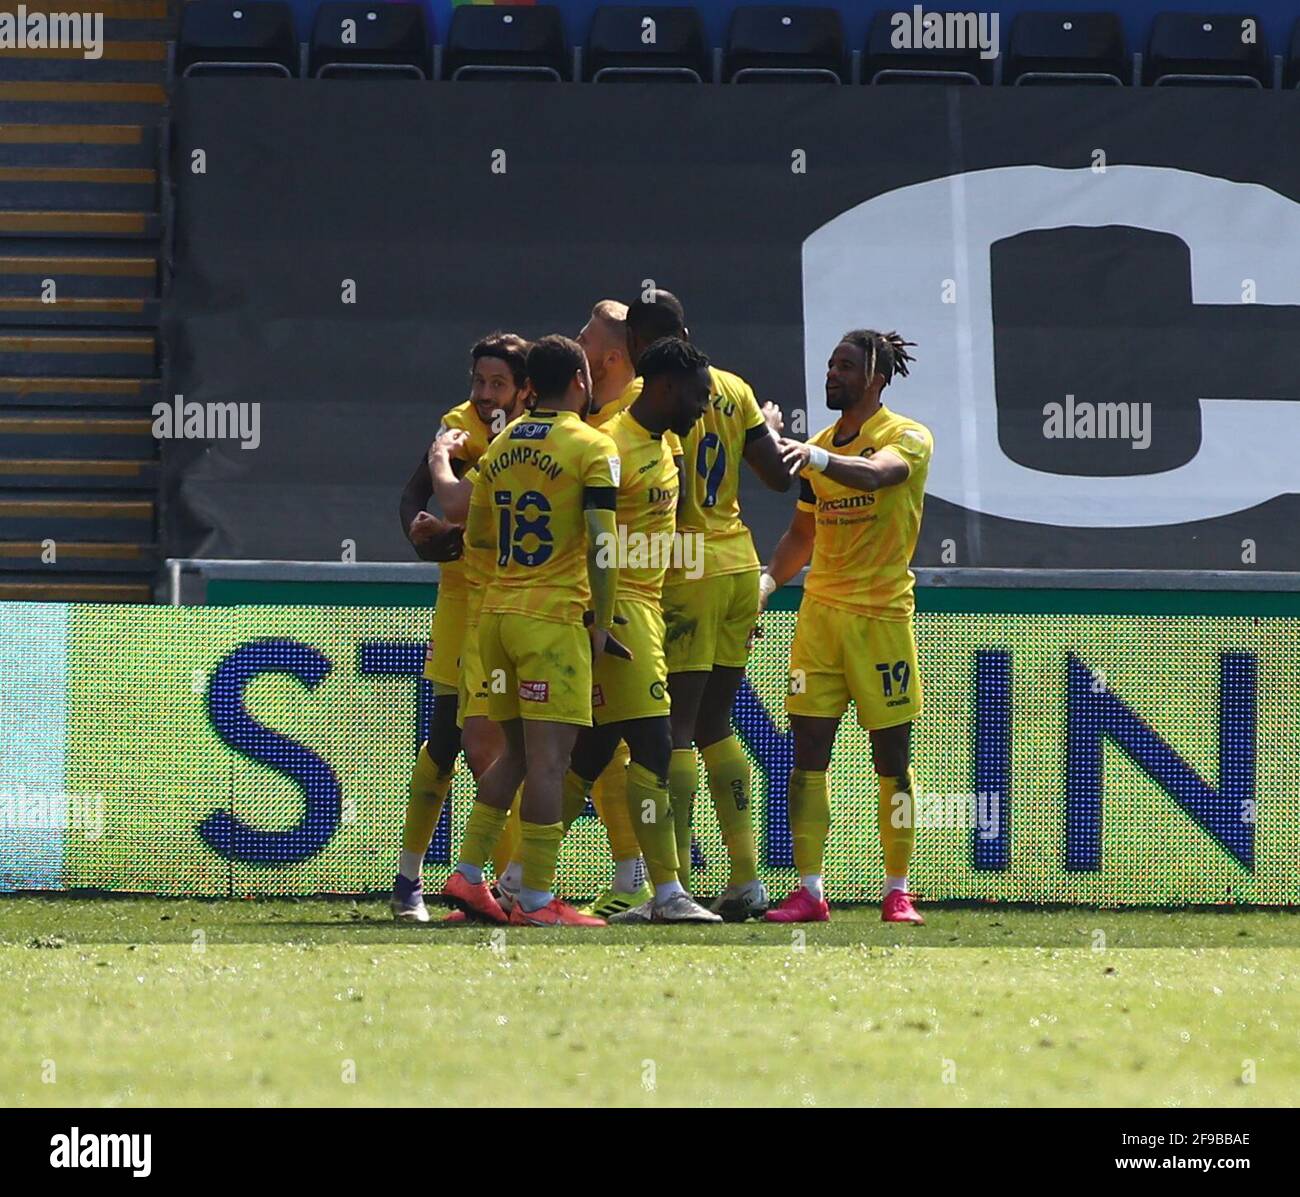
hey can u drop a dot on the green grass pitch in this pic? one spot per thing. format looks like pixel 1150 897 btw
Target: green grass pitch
pixel 139 1002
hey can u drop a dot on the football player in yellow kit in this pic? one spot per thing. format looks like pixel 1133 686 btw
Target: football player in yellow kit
pixel 545 498
pixel 711 605
pixel 629 697
pixel 858 517
pixel 498 392
pixel 614 385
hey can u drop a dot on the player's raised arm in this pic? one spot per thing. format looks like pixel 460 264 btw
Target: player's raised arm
pixel 884 468
pixel 762 449
pixel 449 487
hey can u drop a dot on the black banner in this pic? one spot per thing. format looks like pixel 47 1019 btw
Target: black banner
pixel 1103 286
pixel 98 1147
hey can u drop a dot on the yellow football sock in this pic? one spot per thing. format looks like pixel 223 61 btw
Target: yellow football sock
pixel 897 841
pixel 682 778
pixel 810 819
pixel 650 812
pixel 428 791
pixel 575 797
pixel 482 830
pixel 508 842
pixel 539 848
pixel 609 797
pixel 729 784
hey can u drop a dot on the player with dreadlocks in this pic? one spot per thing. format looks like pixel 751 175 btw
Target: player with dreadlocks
pixel 858 515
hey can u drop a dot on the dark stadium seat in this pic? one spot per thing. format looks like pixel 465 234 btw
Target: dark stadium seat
pixel 1059 47
pixel 379 40
pixel 618 50
pixel 886 63
pixel 768 43
pixel 515 41
pixel 219 37
pixel 1199 50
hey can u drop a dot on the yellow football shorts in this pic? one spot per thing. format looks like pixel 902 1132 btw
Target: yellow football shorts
pixel 446 636
pixel 709 621
pixel 839 655
pixel 472 692
pixel 535 669
pixel 635 689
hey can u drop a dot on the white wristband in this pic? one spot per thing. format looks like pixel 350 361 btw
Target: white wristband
pixel 766 586
pixel 818 459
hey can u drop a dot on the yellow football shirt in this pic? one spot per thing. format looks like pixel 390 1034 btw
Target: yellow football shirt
pixel 603 415
pixel 712 455
pixel 452 574
pixel 865 539
pixel 532 480
pixel 647 507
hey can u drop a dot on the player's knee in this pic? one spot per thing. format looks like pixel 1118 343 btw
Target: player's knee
pixel 893 765
pixel 686 691
pixel 651 746
pixel 891 751
pixel 813 759
pixel 480 751
pixel 585 764
pixel 510 762
pixel 592 753
pixel 548 758
pixel 444 735
pixel 712 726
pixel 812 752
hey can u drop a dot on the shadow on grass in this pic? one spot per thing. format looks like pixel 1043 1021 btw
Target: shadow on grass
pixel 69 919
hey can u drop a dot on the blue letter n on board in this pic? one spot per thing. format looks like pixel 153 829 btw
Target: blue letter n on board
pixel 1095 713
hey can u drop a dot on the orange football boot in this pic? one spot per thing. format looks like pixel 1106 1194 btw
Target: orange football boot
pixel 474 900
pixel 554 914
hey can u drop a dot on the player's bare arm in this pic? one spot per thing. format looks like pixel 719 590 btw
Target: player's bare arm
pixel 680 462
pixel 793 551
pixel 415 496
pixel 432 537
pixel 763 456
pixel 451 490
pixel 882 469
pixel 602 573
